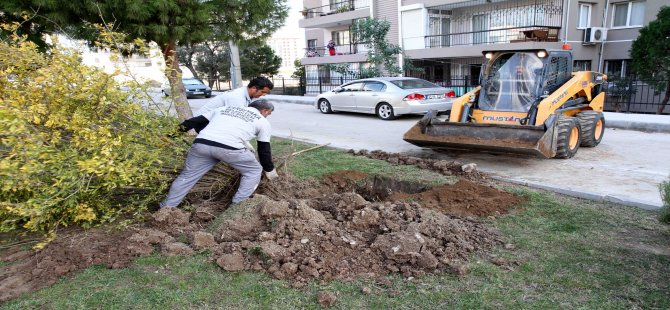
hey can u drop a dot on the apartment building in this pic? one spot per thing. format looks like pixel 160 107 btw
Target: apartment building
pixel 445 38
pixel 288 49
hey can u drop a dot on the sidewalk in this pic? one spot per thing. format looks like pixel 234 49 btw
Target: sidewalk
pixel 627 121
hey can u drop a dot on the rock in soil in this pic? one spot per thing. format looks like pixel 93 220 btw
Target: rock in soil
pixel 326 299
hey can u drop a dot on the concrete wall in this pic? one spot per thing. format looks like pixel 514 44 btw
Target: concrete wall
pixel 388 10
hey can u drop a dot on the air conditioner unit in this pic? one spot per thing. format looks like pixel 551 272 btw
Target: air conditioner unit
pixel 594 35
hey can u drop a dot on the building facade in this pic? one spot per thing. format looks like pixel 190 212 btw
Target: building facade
pixel 288 49
pixel 446 38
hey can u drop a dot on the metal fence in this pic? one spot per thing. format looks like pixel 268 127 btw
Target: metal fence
pixel 335 7
pixel 504 35
pixel 282 86
pixel 636 96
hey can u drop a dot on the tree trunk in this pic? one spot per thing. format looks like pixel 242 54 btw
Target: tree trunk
pixel 192 69
pixel 235 70
pixel 176 84
pixel 665 100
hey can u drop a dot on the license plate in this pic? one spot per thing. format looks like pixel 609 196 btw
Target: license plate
pixel 435 96
pixel 197 93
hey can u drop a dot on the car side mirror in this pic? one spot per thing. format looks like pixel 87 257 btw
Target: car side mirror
pixel 338 90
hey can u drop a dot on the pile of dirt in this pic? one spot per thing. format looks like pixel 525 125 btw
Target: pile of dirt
pixel 344 236
pixel 464 198
pixel 445 167
pixel 75 250
pixel 300 231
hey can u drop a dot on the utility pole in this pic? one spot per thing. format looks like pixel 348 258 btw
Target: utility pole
pixel 235 70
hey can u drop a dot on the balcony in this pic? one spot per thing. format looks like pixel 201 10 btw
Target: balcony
pixel 354 52
pixel 495 36
pixel 481 22
pixel 347 49
pixel 335 14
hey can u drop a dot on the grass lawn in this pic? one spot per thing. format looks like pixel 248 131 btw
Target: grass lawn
pixel 563 253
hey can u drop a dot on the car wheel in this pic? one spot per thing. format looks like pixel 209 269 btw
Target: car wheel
pixel 208 96
pixel 385 112
pixel 324 106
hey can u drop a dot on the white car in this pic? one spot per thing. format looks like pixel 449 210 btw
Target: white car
pixel 387 97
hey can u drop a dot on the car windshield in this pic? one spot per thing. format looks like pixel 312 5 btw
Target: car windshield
pixel 413 83
pixel 510 83
pixel 192 82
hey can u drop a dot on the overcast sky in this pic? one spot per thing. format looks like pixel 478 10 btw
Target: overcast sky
pixel 291 29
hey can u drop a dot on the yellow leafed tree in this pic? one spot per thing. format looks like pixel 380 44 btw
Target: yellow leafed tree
pixel 75 146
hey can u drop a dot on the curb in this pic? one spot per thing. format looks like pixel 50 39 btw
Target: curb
pixel 583 195
pixel 638 126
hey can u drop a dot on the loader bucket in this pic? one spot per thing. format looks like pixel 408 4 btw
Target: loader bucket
pixel 497 138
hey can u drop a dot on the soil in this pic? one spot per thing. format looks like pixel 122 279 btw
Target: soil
pixel 349 226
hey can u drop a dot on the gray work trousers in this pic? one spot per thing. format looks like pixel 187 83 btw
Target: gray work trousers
pixel 201 158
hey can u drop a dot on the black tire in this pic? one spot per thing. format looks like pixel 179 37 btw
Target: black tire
pixel 208 96
pixel 324 106
pixel 385 112
pixel 567 143
pixel 593 127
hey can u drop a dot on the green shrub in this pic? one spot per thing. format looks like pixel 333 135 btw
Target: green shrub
pixel 665 195
pixel 75 148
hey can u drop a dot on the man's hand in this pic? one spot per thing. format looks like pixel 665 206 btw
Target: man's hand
pixel 271 175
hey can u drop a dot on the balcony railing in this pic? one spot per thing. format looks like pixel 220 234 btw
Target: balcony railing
pixel 505 35
pixel 335 8
pixel 493 21
pixel 347 49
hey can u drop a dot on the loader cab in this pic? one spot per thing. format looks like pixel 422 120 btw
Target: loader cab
pixel 514 81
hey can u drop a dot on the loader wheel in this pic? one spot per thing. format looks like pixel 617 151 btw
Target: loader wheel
pixel 593 127
pixel 568 137
pixel 324 106
pixel 385 112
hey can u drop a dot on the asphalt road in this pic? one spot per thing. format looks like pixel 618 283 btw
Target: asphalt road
pixel 626 167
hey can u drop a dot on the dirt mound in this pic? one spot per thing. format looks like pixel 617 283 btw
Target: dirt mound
pixel 350 226
pixel 70 252
pixel 443 166
pixel 343 236
pixel 464 198
pixel 75 250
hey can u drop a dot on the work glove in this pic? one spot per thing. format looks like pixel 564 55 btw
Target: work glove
pixel 271 175
pixel 248 146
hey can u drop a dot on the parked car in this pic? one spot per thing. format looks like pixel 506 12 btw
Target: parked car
pixel 194 87
pixel 387 97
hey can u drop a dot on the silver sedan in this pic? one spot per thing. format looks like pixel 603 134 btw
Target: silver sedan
pixel 387 97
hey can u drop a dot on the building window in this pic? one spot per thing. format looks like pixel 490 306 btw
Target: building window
pixel 341 37
pixel 480 27
pixel 439 27
pixel 619 67
pixel 628 14
pixel 581 65
pixel 584 16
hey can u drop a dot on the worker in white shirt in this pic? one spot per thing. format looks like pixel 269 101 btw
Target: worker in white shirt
pixel 241 97
pixel 226 138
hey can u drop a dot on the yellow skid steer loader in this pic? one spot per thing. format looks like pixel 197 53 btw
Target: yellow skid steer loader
pixel 528 101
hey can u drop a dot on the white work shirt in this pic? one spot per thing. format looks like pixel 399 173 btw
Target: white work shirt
pixel 234 98
pixel 233 126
